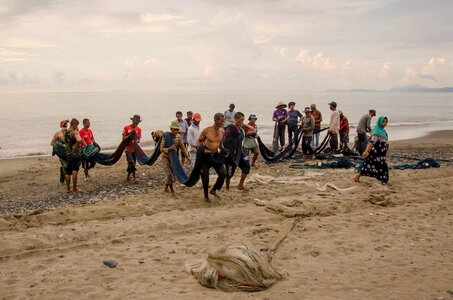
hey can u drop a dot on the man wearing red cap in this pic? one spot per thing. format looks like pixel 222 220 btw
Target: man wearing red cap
pixel 130 151
pixel 59 137
pixel 192 138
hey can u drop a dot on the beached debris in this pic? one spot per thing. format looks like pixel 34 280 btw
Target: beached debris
pixel 110 263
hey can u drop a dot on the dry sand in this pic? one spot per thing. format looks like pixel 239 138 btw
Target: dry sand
pixel 345 247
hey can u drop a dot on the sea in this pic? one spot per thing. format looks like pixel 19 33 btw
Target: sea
pixel 29 120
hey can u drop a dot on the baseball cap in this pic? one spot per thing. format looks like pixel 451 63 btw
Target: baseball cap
pixel 196 117
pixel 333 103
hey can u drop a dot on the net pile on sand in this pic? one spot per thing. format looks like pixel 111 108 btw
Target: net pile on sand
pixel 238 267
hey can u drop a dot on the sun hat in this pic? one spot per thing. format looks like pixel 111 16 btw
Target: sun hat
pixel 280 104
pixel 197 117
pixel 174 125
pixel 307 109
pixel 136 118
pixel 253 116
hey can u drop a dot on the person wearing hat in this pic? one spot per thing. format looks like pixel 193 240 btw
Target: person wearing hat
pixel 73 143
pixel 344 130
pixel 229 115
pixel 363 128
pixel 334 127
pixel 130 151
pixel 165 149
pixel 280 117
pixel 192 138
pixel 183 130
pixel 293 120
pixel 308 124
pixel 59 137
pixel 250 145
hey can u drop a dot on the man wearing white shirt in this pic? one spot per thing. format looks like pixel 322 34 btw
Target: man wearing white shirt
pixel 334 127
pixel 192 138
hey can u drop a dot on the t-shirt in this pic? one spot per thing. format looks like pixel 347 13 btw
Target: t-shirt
pixel 293 117
pixel 127 129
pixel 192 137
pixel 364 125
pixel 87 135
pixel 250 141
pixel 280 115
pixel 308 124
pixel 318 118
pixel 334 124
pixel 183 130
pixel 344 125
pixel 229 117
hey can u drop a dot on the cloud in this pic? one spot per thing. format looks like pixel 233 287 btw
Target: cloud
pixel 25 43
pixel 432 65
pixel 318 61
pixel 10 56
pixel 150 17
pixel 153 61
pixel 384 72
pixel 283 52
pixel 135 29
pixel 208 70
pixel 345 68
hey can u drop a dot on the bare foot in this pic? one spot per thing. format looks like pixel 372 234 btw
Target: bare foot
pixel 76 190
pixel 212 192
pixel 69 191
pixel 253 165
pixel 357 178
pixel 242 188
pixel 207 200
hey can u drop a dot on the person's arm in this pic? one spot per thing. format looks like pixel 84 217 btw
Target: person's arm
pixel 202 136
pixel 79 138
pixel 312 124
pixel 274 116
pixel 54 139
pixel 92 138
pixel 183 150
pixel 124 134
pixel 163 149
pixel 191 137
pixel 368 148
pixel 286 118
pixel 368 124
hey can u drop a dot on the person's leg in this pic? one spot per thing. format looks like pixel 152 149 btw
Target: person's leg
pixel 244 165
pixel 334 143
pixel 205 181
pixel 282 137
pixel 69 171
pixel 193 157
pixel 290 133
pixel 134 169
pixel 221 176
pixel 255 156
pixel 75 173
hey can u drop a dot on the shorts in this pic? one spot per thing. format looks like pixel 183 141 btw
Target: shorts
pixel 252 150
pixel 244 165
pixel 131 160
pixel 73 164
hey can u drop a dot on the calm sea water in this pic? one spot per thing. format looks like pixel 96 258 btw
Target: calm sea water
pixel 28 120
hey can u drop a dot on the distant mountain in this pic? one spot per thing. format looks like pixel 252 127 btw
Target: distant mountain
pixel 401 89
pixel 421 89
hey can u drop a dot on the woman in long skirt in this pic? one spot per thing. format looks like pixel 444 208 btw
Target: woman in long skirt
pixel 375 164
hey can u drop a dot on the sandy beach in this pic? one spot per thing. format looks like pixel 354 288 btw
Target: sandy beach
pixel 366 241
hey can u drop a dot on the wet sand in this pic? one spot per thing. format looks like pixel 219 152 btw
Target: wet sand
pixel 368 242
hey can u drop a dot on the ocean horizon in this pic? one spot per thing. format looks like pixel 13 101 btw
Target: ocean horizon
pixel 28 120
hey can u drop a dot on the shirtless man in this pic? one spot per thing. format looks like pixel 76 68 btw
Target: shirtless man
pixel 59 137
pixel 211 153
pixel 73 142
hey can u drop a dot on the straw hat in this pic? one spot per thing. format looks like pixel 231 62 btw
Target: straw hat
pixel 280 104
pixel 174 125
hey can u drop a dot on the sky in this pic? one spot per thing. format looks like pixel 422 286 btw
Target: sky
pixel 237 45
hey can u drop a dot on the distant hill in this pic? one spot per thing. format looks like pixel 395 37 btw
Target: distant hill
pixel 401 89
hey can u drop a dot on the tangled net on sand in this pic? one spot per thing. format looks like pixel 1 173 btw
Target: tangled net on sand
pixel 238 267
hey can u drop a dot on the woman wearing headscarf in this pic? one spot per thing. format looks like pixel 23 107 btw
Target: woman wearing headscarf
pixel 375 154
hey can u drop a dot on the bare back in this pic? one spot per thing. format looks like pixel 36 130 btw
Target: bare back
pixel 212 138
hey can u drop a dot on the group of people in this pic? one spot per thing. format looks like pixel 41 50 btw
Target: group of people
pixel 229 143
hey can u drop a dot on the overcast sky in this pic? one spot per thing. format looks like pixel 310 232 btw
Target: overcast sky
pixel 224 45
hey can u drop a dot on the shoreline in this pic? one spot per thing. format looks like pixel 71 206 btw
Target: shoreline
pixel 149 147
